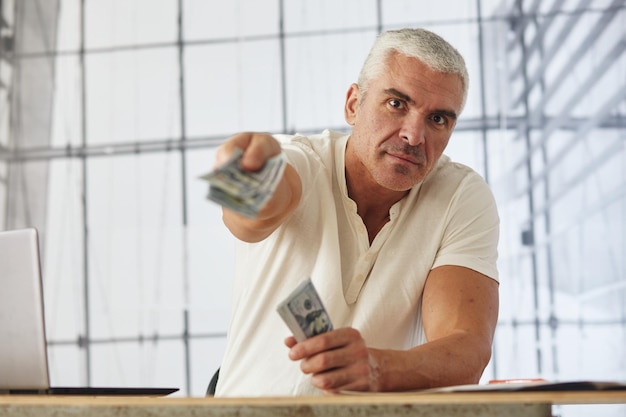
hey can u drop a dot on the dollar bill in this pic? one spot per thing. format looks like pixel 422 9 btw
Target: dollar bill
pixel 304 313
pixel 245 192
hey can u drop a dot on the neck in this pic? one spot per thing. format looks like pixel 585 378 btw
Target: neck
pixel 373 201
pixel 369 196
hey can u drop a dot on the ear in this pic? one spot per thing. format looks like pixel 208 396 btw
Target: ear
pixel 352 104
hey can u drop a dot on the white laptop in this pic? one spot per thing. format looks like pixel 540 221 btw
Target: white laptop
pixel 23 352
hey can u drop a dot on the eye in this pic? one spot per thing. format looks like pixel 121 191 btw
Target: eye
pixel 439 119
pixel 395 103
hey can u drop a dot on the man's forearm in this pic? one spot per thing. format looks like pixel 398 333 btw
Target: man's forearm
pixel 454 360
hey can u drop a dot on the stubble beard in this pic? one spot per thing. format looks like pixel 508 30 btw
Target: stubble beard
pixel 402 170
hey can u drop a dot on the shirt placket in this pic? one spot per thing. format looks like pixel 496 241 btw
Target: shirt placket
pixel 365 263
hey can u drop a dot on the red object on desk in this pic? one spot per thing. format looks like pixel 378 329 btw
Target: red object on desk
pixel 517 381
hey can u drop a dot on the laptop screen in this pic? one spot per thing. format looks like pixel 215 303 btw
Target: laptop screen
pixel 23 356
pixel 23 352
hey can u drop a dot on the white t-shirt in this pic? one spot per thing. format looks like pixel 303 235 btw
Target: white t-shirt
pixel 448 219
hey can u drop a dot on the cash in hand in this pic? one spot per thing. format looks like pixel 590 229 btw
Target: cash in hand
pixel 304 313
pixel 245 192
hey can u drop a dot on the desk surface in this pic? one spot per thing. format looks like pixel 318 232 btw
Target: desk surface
pixel 513 404
pixel 552 397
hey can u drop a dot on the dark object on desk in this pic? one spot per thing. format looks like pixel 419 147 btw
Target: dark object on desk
pixel 210 391
pixel 94 391
pixel 575 386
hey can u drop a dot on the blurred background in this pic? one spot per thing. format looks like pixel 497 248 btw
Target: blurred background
pixel 111 110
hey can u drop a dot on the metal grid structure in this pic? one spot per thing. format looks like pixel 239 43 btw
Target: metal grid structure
pixel 566 77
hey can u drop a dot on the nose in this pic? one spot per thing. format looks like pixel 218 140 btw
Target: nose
pixel 413 131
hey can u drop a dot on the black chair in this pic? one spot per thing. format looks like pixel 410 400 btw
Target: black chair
pixel 213 383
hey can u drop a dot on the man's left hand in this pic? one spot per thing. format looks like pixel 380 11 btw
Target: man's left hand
pixel 337 360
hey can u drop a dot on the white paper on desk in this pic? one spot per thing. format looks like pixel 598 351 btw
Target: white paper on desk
pixel 512 387
pixel 532 386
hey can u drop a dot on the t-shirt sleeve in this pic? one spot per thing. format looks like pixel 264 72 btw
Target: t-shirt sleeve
pixel 472 232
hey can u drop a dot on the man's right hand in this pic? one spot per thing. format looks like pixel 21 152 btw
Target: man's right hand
pixel 257 149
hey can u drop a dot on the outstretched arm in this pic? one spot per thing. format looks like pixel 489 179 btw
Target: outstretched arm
pixel 258 148
pixel 460 311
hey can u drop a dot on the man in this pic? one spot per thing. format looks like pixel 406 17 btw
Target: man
pixel 400 242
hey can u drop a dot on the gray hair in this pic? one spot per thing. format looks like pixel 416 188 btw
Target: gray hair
pixel 429 48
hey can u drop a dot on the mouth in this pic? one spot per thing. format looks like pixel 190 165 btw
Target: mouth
pixel 406 158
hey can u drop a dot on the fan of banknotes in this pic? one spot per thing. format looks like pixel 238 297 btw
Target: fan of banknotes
pixel 304 313
pixel 245 192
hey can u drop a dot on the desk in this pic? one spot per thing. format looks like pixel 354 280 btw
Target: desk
pixel 492 404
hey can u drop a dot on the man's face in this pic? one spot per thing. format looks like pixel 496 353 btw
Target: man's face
pixel 402 125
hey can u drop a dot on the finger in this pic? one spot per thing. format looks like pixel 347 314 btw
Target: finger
pixel 260 148
pixel 290 341
pixel 313 346
pixel 323 342
pixel 257 149
pixel 350 356
pixel 225 150
pixel 322 362
pixel 354 378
